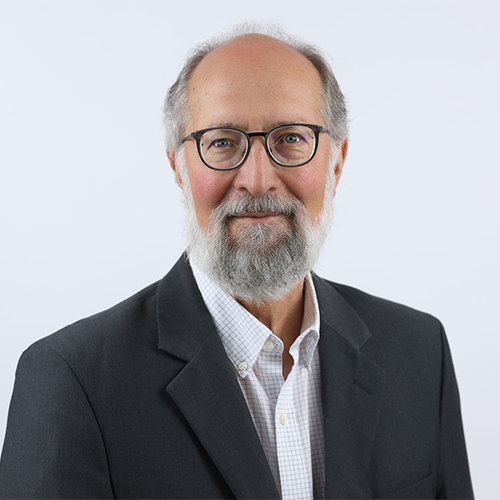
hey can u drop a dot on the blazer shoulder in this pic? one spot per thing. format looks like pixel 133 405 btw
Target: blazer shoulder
pixel 118 327
pixel 372 308
pixel 391 326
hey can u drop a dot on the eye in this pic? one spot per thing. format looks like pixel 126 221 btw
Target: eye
pixel 220 143
pixel 291 138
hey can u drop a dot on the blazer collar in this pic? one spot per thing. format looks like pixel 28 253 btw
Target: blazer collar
pixel 206 389
pixel 352 387
pixel 179 303
pixel 184 322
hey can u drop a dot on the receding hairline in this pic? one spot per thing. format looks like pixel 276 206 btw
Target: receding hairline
pixel 240 59
pixel 269 39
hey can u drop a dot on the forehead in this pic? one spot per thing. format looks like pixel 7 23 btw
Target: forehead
pixel 254 78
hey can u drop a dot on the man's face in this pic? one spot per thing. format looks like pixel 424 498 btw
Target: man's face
pixel 254 84
pixel 257 230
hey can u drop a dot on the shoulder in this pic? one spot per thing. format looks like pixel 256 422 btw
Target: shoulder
pixel 389 326
pixel 125 337
pixel 376 310
pixel 124 328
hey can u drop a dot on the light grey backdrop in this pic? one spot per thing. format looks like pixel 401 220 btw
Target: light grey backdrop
pixel 90 212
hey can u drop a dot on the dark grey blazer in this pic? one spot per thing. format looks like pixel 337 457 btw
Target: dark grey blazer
pixel 140 401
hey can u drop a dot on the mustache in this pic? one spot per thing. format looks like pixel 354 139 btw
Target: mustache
pixel 249 204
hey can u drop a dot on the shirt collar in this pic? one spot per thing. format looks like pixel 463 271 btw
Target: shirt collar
pixel 243 335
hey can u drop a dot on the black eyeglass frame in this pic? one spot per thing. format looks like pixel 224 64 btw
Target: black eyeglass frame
pixel 317 129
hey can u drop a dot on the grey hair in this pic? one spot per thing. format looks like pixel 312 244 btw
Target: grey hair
pixel 176 111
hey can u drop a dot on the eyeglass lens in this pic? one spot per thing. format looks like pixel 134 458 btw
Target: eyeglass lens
pixel 289 146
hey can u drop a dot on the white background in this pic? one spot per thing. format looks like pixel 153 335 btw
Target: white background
pixel 90 212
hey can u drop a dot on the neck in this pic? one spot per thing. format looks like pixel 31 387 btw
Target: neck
pixel 283 318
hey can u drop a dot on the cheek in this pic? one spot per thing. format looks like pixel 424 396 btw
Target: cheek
pixel 311 181
pixel 308 185
pixel 208 188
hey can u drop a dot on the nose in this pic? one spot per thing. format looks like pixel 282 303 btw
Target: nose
pixel 258 175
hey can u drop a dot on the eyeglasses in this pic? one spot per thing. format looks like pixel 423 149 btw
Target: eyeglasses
pixel 227 148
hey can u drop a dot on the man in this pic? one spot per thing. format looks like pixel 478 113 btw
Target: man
pixel 240 374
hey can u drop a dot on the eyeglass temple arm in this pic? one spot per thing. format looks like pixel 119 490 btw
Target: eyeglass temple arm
pixel 192 135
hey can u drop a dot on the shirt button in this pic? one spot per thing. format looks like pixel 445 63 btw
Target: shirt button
pixel 284 419
pixel 268 346
pixel 242 366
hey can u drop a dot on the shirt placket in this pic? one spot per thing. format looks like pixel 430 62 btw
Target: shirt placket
pixel 294 461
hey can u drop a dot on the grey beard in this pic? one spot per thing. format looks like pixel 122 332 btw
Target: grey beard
pixel 260 262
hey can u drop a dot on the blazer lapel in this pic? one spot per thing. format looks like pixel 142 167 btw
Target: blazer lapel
pixel 206 389
pixel 352 387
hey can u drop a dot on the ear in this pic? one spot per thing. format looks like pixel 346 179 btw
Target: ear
pixel 342 153
pixel 175 168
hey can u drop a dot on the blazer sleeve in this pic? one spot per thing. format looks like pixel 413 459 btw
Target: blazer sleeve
pixel 53 446
pixel 454 479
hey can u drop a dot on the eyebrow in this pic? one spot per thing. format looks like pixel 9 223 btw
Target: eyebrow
pixel 269 127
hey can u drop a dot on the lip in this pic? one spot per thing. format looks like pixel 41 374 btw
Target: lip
pixel 257 217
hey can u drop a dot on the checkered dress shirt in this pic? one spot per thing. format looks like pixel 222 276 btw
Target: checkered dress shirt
pixel 287 413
